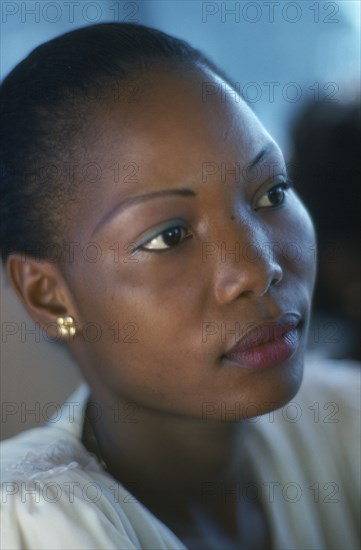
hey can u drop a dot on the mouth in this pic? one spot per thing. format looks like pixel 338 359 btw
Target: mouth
pixel 268 344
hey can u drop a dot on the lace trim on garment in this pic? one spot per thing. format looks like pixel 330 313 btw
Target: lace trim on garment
pixel 55 459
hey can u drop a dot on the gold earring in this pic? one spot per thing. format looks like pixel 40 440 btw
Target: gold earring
pixel 66 326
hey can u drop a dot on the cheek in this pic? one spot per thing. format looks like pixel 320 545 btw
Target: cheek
pixel 136 323
pixel 298 243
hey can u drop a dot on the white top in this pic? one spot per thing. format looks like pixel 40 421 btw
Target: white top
pixel 306 458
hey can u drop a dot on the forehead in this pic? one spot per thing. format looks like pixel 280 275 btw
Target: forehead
pixel 168 135
pixel 177 120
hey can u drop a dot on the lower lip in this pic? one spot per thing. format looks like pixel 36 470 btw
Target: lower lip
pixel 268 355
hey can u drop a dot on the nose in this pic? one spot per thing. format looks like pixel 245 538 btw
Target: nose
pixel 246 265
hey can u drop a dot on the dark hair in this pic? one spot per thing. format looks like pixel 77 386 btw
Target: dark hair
pixel 45 103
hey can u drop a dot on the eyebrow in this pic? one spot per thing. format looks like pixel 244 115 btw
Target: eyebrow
pixel 182 192
pixel 270 147
pixel 130 201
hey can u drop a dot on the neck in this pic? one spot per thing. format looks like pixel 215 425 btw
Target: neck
pixel 165 459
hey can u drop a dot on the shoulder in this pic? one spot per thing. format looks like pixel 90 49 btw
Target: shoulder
pixel 54 494
pixel 315 437
pixel 332 377
pixel 324 415
pixel 50 492
pixel 49 485
pixel 52 447
pixel 330 399
pixel 306 458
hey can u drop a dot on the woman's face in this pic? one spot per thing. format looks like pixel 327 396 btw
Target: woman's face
pixel 188 240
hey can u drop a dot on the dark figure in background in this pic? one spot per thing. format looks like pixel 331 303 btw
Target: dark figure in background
pixel 326 163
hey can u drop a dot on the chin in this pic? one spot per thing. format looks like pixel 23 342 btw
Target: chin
pixel 286 387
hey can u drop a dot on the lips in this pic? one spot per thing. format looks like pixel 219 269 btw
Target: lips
pixel 268 344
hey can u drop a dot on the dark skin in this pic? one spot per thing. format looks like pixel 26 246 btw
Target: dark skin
pixel 169 291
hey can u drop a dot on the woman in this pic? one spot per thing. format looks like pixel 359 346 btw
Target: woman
pixel 150 224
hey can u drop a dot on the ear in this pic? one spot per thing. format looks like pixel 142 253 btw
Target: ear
pixel 42 289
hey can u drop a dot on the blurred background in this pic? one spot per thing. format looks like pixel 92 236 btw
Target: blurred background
pixel 298 66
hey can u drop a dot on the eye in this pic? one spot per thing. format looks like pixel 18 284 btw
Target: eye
pixel 166 239
pixel 274 196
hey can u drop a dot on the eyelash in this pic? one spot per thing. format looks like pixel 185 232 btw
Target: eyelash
pixel 172 226
pixel 284 186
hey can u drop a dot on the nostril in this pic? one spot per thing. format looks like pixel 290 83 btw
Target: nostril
pixel 277 279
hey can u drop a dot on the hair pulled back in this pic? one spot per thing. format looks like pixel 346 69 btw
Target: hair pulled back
pixel 46 105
